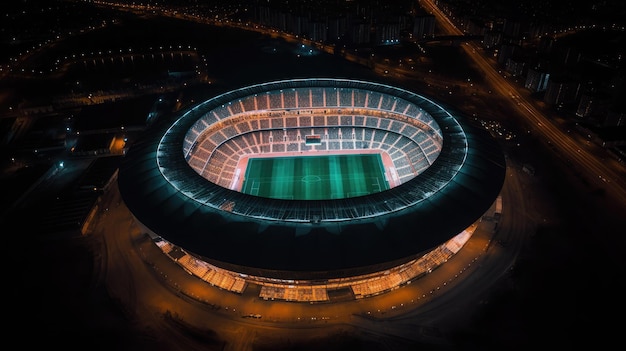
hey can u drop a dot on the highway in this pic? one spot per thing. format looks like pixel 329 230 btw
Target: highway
pixel 587 159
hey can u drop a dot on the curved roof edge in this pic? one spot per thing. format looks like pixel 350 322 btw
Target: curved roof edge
pixel 309 248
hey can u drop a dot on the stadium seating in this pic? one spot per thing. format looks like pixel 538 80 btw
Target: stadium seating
pixel 348 119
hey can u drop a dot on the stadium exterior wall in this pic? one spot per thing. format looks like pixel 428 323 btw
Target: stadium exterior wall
pixel 315 249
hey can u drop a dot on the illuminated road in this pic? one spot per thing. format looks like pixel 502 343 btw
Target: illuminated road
pixel 150 286
pixel 599 170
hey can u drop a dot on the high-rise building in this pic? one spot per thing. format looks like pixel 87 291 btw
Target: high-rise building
pixel 593 106
pixel 387 33
pixel 615 118
pixel 516 66
pixel 423 26
pixel 492 39
pixel 360 33
pixel 561 91
pixel 507 51
pixel 537 79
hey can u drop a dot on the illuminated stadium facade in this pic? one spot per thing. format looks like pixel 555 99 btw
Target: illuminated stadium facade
pixel 181 182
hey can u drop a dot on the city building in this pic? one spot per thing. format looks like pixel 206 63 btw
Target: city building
pixel 561 91
pixel 537 79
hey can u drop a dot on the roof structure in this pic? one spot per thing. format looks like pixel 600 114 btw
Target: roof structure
pixel 321 238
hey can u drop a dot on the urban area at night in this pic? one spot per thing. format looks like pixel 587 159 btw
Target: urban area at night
pixel 263 175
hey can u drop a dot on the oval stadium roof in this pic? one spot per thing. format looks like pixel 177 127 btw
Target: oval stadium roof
pixel 319 238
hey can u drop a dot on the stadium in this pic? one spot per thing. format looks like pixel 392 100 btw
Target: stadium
pixel 312 189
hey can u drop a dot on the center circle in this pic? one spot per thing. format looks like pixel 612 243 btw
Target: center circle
pixel 311 179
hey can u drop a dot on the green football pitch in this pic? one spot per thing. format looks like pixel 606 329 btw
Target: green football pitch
pixel 315 177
